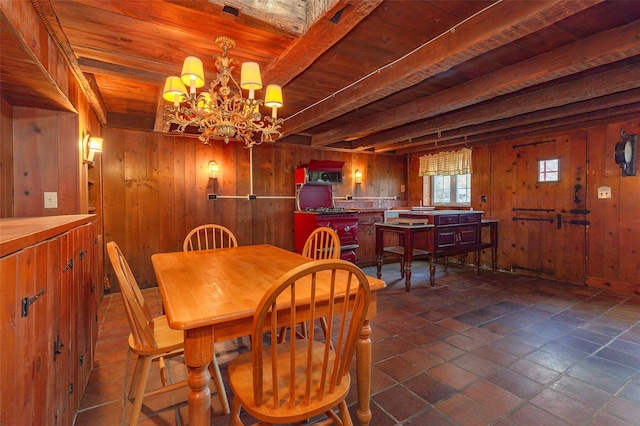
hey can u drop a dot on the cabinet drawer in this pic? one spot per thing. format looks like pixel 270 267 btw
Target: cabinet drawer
pixel 447 219
pixel 470 218
pixel 369 220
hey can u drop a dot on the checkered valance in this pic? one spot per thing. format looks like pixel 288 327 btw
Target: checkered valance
pixel 446 163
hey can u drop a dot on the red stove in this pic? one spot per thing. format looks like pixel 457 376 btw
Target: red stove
pixel 315 206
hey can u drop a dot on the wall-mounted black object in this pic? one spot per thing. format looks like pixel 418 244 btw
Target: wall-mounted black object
pixel 626 154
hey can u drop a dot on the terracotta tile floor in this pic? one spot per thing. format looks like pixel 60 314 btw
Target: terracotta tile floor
pixel 493 349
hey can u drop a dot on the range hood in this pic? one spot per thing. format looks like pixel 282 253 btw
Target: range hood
pixel 320 172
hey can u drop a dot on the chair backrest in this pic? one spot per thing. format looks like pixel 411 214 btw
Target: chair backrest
pixel 323 243
pixel 209 237
pixel 313 369
pixel 138 313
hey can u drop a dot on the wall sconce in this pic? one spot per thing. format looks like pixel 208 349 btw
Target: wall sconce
pixel 214 168
pixel 91 145
pixel 358 176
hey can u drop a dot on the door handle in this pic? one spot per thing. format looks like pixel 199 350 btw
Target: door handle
pixel 577 199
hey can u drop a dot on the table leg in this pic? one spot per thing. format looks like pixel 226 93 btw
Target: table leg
pixel 379 265
pixel 363 374
pixel 432 269
pixel 477 259
pixel 198 352
pixel 407 274
pixel 494 259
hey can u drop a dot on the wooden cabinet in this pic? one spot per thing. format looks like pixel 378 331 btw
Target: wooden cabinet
pixel 456 233
pixel 366 254
pixel 48 317
pixel 447 232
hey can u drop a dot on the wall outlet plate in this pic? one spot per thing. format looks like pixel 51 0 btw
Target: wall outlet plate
pixel 50 200
pixel 604 192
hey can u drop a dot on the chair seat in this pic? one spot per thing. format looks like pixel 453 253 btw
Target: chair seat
pixel 167 339
pixel 241 381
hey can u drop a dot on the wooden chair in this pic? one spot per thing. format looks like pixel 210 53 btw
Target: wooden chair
pixel 323 243
pixel 151 339
pixel 209 237
pixel 310 377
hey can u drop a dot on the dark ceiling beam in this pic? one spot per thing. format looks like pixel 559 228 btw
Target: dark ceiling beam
pixel 87 84
pixel 468 133
pixel 584 89
pixel 566 124
pixel 599 49
pixel 336 23
pixel 495 27
pixel 94 66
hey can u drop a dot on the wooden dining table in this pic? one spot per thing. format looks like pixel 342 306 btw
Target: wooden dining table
pixel 213 294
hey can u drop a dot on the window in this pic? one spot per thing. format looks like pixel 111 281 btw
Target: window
pixel 451 190
pixel 446 178
pixel 548 170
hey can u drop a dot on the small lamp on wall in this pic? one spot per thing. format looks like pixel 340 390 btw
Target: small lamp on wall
pixel 91 145
pixel 358 176
pixel 214 168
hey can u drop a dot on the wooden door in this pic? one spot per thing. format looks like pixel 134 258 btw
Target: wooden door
pixel 550 218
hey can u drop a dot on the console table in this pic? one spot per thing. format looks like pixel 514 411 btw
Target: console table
pixel 448 232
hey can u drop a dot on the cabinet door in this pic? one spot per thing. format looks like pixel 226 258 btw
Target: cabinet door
pixel 26 332
pixel 8 338
pixel 85 303
pixel 468 237
pixel 63 382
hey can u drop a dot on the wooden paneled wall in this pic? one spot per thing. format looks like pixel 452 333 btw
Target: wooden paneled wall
pixel 612 248
pixel 6 160
pixel 156 186
pixel 45 159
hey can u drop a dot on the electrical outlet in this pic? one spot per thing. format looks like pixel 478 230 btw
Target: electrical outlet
pixel 604 192
pixel 50 200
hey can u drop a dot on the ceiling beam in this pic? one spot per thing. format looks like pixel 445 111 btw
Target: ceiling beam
pixel 591 106
pixel 603 48
pixel 597 50
pixel 566 124
pixel 495 27
pixel 594 86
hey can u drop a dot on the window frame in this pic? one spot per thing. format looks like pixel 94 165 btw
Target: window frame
pixel 540 161
pixel 429 191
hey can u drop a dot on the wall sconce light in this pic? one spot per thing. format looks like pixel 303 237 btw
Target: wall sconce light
pixel 358 176
pixel 214 168
pixel 91 145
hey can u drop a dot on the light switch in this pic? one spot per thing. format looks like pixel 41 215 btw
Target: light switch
pixel 50 200
pixel 604 192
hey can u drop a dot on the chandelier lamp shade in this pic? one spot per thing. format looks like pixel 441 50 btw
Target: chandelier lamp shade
pixel 222 112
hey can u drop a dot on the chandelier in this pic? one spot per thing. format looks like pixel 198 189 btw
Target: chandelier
pixel 222 112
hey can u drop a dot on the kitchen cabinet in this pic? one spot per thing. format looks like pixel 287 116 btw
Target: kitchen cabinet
pixel 48 314
pixel 366 254
pixel 443 232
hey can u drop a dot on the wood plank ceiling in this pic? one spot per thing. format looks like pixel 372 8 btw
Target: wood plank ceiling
pixel 383 75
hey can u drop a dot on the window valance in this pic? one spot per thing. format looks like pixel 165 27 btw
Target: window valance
pixel 446 163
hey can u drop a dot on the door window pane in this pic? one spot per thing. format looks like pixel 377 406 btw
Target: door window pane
pixel 548 170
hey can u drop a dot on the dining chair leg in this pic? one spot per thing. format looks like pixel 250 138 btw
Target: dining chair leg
pixel 344 413
pixel 140 390
pixel 135 378
pixel 234 418
pixel 214 371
